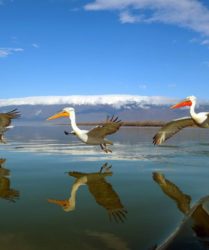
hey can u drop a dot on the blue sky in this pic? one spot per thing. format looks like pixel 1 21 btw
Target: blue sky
pixel 72 47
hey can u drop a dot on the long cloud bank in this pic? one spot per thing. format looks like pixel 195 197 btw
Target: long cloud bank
pixel 116 101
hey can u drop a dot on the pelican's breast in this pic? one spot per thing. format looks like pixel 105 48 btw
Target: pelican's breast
pixel 202 119
pixel 83 136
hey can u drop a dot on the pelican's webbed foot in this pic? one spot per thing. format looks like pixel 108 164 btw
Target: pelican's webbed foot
pixel 105 149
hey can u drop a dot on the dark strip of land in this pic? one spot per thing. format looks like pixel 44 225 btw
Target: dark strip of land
pixel 128 124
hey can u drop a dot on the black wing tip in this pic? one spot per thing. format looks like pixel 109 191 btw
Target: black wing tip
pixel 114 119
pixel 118 215
pixel 156 140
pixel 15 113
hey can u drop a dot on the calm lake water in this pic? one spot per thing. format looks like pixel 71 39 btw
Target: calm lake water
pixel 145 197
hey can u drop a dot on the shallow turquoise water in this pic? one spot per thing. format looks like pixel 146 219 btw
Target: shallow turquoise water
pixel 39 160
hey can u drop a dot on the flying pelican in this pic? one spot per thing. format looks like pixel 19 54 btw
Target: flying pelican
pixel 5 121
pixel 95 136
pixel 200 120
pixel 193 232
pixel 100 189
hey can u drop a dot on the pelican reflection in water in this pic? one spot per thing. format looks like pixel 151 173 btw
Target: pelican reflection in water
pixel 101 190
pixel 193 233
pixel 5 191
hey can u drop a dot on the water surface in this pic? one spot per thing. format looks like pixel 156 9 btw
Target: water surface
pixel 137 201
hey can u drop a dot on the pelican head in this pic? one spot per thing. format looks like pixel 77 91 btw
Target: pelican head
pixel 66 112
pixel 191 98
pixel 188 101
pixel 65 204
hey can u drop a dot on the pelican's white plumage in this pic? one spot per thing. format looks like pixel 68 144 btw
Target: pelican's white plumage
pixel 195 120
pixel 95 136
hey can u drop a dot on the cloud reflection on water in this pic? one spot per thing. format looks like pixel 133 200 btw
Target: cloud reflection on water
pixel 79 151
pixel 111 240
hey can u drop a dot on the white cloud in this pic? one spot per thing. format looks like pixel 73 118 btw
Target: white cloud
pixel 205 42
pixel 3 1
pixel 200 41
pixel 116 101
pixel 4 52
pixel 128 17
pixel 190 14
pixel 194 40
pixel 35 45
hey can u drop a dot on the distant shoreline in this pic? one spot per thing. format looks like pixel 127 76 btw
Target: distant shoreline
pixel 127 124
pixel 124 124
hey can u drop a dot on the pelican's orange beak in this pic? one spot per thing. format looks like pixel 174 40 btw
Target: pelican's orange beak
pixel 62 203
pixel 182 104
pixel 58 115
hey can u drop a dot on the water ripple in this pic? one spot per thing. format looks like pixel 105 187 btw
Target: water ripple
pixel 141 151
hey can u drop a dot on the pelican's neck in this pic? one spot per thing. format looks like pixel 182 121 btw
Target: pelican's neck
pixel 73 123
pixel 72 199
pixel 75 187
pixel 192 109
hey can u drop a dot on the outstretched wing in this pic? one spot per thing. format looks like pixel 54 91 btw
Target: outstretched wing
pixel 174 192
pixel 5 118
pixel 103 192
pixel 77 174
pixel 109 127
pixel 171 128
pixel 107 197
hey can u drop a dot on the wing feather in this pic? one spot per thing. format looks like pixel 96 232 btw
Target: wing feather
pixel 5 118
pixel 108 198
pixel 109 127
pixel 103 192
pixel 171 128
